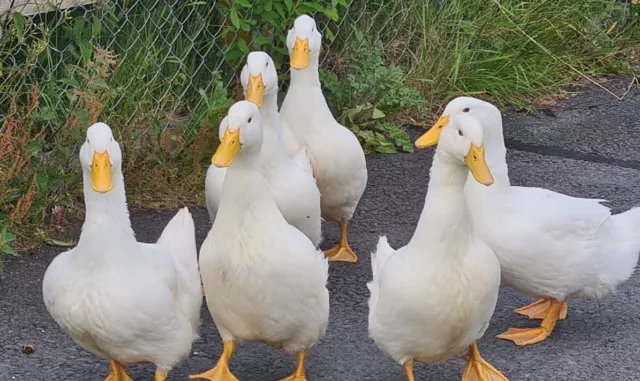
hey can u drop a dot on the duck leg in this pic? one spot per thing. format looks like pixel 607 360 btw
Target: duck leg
pixel 299 374
pixel 408 370
pixel 342 251
pixel 538 310
pixel 529 336
pixel 160 375
pixel 117 372
pixel 221 371
pixel 478 369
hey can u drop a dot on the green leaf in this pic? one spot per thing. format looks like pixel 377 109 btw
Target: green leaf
pixel 19 21
pixel 242 46
pixel 328 34
pixel 289 4
pixel 268 5
pixel 282 14
pixel 86 49
pixel 309 7
pixel 8 250
pixel 83 116
pixel 244 3
pixel 245 26
pixel 333 14
pixel 262 40
pixel 34 147
pixel 281 50
pixel 46 114
pixel 234 54
pixel 78 28
pixel 235 20
pixel 377 114
pixel 272 18
pixel 203 94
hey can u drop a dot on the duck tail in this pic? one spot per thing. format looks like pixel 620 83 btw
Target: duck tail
pixel 624 233
pixel 378 259
pixel 179 237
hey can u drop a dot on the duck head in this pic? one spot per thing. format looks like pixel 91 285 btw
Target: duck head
pixel 240 130
pixel 462 143
pixel 100 155
pixel 259 78
pixel 484 112
pixel 304 42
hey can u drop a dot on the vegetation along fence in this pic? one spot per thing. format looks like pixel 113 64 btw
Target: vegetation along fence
pixel 162 72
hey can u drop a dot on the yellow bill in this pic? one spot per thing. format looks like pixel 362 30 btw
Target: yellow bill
pixel 432 136
pixel 301 53
pixel 227 150
pixel 255 89
pixel 478 165
pixel 101 176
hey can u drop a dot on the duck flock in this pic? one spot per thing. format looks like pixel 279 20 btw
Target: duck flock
pixel 275 176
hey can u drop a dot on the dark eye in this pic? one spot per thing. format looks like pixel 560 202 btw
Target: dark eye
pixel 111 139
pixel 267 64
pixel 466 109
pixel 88 141
pixel 249 121
pixel 460 133
pixel 313 29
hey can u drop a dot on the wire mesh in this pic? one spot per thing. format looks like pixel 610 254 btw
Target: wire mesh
pixel 154 61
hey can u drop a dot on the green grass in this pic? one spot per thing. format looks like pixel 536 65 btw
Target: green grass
pixel 515 51
pixel 162 76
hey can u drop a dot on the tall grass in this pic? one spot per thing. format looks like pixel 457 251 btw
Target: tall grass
pixel 510 51
pixel 513 51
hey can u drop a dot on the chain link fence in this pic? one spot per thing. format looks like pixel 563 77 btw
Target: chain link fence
pixel 159 61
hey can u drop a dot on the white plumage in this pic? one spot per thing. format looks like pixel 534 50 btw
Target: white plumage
pixel 289 179
pixel 434 297
pixel 263 278
pixel 119 299
pixel 550 245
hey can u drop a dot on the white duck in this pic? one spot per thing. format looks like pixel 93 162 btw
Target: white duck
pixel 122 300
pixel 289 179
pixel 264 279
pixel 336 156
pixel 434 297
pixel 555 247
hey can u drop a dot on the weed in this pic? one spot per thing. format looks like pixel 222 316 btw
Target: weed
pixel 511 51
pixel 369 95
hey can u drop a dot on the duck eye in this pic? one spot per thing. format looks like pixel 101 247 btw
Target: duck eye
pixel 249 121
pixel 88 141
pixel 460 133
pixel 466 109
pixel 266 64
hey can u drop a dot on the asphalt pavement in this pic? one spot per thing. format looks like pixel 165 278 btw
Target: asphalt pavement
pixel 588 146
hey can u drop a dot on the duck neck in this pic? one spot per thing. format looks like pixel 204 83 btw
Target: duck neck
pixel 106 210
pixel 444 217
pixel 496 151
pixel 269 114
pixel 309 76
pixel 244 182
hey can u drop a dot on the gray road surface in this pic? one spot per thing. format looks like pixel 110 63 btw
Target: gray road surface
pixel 587 146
